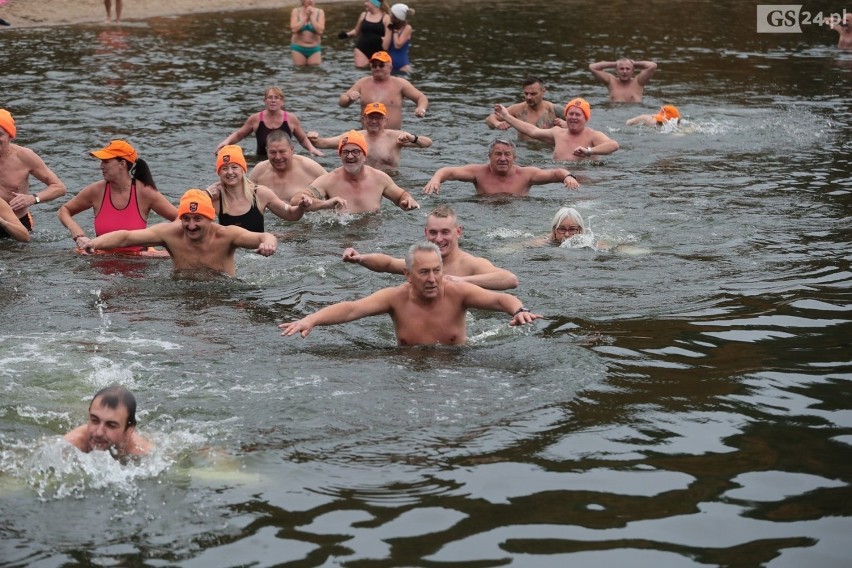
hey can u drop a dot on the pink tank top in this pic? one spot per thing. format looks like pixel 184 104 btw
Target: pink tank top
pixel 110 219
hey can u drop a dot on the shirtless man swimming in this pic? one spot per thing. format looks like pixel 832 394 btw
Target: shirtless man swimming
pixel 357 187
pixel 427 310
pixel 623 86
pixel 443 230
pixel 534 110
pixel 111 426
pixel 500 175
pixel 285 172
pixel 17 164
pixel 194 241
pixel 575 141
pixel 381 87
pixel 385 144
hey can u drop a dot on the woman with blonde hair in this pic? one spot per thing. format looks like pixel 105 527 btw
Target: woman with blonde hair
pixel 371 30
pixel 307 23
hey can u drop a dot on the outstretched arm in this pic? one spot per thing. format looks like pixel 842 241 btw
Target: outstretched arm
pixel 410 140
pixel 476 297
pixel 375 261
pixel 539 176
pixel 374 304
pixel 151 236
pixel 303 138
pixel 545 135
pixel 240 133
pixel 284 210
pixel 263 243
pixel 457 173
pixel 321 142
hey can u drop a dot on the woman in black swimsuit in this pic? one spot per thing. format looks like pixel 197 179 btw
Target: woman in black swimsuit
pixel 371 30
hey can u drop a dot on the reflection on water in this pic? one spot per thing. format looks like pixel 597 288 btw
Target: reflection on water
pixel 685 402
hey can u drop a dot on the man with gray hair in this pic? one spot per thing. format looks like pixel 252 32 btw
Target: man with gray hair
pixel 623 86
pixel 426 310
pixel 500 175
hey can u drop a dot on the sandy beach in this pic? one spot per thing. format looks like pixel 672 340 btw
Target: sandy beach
pixel 30 13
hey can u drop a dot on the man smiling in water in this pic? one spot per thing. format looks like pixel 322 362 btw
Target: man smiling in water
pixel 194 241
pixel 111 425
pixel 426 310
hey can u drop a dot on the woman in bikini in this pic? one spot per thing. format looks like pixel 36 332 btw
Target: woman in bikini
pixel 307 22
pixel 121 201
pixel 273 117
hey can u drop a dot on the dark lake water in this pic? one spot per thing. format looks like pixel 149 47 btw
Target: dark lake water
pixel 686 401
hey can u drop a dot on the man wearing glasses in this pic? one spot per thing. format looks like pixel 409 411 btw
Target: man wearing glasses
pixel 357 187
pixel 381 87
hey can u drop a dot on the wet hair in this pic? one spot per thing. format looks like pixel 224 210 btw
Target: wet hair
pixel 532 80
pixel 273 89
pixel 115 395
pixel 505 141
pixel 140 171
pixel 568 213
pixel 279 136
pixel 422 246
pixel 443 212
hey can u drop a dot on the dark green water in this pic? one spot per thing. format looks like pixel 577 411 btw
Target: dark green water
pixel 686 406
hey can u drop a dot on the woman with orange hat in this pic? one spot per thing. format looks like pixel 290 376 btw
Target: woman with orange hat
pixel 239 201
pixel 667 113
pixel 122 200
pixel 274 117
pixel 371 30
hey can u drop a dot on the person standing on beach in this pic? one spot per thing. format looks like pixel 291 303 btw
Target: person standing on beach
pixel 307 23
pixel 17 164
pixel 108 6
pixel 623 86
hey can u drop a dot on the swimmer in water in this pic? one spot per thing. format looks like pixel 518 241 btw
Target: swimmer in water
pixel 426 310
pixel 666 113
pixel 111 426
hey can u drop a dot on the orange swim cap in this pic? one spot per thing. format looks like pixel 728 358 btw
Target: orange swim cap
pixel 582 104
pixel 353 137
pixel 116 149
pixel 667 112
pixel 196 202
pixel 228 154
pixel 381 56
pixel 375 107
pixel 7 123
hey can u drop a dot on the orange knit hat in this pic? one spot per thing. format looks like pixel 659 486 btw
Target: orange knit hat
pixel 667 112
pixel 352 137
pixel 582 104
pixel 228 154
pixel 7 123
pixel 196 202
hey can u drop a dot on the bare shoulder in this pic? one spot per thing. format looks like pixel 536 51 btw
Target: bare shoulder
pixel 77 438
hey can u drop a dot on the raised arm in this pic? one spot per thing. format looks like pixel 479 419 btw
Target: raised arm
pixel 375 261
pixel 599 70
pixel 374 304
pixel 545 135
pixel 646 71
pixel 352 95
pixel 450 173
